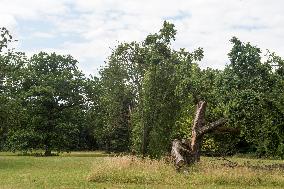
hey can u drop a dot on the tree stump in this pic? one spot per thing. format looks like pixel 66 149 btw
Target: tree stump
pixel 187 151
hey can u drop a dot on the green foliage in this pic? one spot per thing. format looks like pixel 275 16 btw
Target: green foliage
pixel 114 133
pixel 155 77
pixel 249 88
pixel 52 94
pixel 5 38
pixel 11 64
pixel 164 86
pixel 144 98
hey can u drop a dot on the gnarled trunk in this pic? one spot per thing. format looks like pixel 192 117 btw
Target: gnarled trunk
pixel 188 151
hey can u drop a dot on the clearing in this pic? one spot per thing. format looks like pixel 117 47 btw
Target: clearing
pixel 99 170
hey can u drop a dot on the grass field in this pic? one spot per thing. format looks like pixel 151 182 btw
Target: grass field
pixel 98 170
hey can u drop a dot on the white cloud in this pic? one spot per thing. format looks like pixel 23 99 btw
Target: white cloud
pixel 42 35
pixel 33 9
pixel 7 20
pixel 99 24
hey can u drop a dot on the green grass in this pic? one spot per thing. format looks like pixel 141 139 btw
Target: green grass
pixel 46 172
pixel 98 170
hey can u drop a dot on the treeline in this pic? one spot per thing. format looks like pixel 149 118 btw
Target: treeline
pixel 144 98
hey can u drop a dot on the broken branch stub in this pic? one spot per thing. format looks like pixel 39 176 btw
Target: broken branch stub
pixel 188 151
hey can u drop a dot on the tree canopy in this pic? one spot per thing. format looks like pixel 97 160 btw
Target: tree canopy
pixel 143 99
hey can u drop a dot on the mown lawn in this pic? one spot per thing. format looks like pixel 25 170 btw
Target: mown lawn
pixel 97 170
pixel 46 172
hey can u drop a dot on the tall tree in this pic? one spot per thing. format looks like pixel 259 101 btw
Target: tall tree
pixel 53 94
pixel 249 88
pixel 150 71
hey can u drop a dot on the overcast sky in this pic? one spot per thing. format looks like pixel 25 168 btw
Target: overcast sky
pixel 87 29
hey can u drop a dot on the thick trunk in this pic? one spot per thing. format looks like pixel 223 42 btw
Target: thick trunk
pixel 196 135
pixel 47 149
pixel 47 152
pixel 188 151
pixel 177 150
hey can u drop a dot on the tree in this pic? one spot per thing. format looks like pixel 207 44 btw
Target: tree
pixel 92 133
pixel 116 102
pixel 52 93
pixel 11 66
pixel 188 151
pixel 151 71
pixel 6 38
pixel 250 90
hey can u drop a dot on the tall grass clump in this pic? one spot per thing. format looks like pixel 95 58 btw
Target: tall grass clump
pixel 134 170
pixel 210 172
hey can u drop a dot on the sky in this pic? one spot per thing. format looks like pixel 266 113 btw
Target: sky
pixel 88 29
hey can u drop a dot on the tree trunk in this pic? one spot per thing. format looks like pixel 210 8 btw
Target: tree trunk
pixel 47 152
pixel 188 151
pixel 47 149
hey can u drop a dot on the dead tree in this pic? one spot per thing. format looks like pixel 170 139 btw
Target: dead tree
pixel 187 151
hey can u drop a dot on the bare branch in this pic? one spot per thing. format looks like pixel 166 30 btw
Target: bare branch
pixel 212 126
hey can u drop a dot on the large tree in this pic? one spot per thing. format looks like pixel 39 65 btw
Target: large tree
pixel 52 93
pixel 150 75
pixel 251 89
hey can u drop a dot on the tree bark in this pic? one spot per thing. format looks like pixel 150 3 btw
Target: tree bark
pixel 188 151
pixel 47 152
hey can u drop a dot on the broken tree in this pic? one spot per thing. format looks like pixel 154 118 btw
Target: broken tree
pixel 187 151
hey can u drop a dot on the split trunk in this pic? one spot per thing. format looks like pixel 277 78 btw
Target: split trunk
pixel 187 151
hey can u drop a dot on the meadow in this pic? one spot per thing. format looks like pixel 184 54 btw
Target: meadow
pixel 101 170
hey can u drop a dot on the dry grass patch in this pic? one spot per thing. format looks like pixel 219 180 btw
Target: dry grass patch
pixel 221 172
pixel 130 169
pixel 210 172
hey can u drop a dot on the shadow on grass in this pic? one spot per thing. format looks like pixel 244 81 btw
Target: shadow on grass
pixel 37 154
pixel 63 154
pixel 88 154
